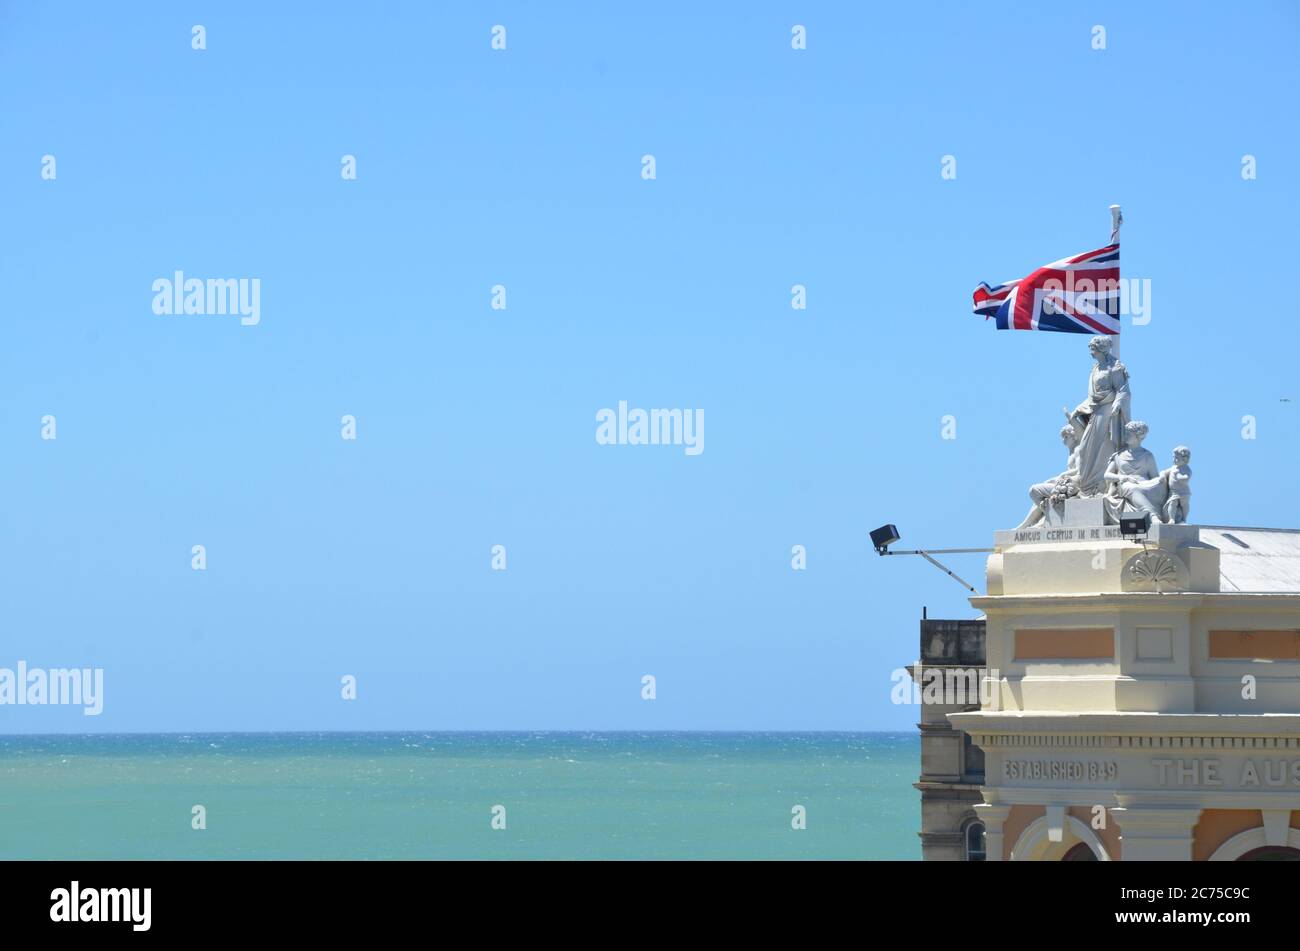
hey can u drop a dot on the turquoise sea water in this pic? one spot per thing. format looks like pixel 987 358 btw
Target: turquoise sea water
pixel 431 795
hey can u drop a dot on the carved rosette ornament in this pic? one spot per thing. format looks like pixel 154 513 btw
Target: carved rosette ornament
pixel 1155 570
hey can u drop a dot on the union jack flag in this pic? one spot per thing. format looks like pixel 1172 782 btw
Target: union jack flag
pixel 1076 295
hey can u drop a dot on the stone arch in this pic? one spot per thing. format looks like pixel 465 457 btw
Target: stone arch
pixel 1249 841
pixel 1034 845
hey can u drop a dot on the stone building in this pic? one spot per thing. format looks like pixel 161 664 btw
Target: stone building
pixel 1144 693
pixel 1141 699
pixel 1141 693
pixel 952 767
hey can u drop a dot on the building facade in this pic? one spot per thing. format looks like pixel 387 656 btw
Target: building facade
pixel 1141 698
pixel 952 766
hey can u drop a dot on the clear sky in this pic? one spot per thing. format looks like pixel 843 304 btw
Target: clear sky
pixel 476 427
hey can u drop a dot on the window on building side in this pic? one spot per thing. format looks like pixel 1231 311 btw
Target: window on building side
pixel 976 850
pixel 973 757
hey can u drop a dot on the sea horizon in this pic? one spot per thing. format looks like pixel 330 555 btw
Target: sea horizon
pixel 510 730
pixel 460 794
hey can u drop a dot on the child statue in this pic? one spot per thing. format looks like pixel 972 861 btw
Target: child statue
pixel 1178 480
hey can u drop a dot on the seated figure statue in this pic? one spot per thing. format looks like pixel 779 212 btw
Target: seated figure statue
pixel 1056 490
pixel 1133 478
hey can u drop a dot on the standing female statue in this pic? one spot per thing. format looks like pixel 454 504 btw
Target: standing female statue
pixel 1101 418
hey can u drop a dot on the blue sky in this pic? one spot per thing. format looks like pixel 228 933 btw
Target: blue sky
pixel 476 426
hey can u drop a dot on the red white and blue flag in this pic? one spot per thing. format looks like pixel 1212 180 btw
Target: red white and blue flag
pixel 1075 295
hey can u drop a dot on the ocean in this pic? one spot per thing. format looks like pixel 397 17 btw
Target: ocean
pixel 430 795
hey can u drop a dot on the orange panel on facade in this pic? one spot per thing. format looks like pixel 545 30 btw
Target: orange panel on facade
pixel 1255 645
pixel 1081 643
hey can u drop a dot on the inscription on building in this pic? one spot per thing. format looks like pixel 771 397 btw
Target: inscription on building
pixel 1090 770
pixel 1212 772
pixel 1032 535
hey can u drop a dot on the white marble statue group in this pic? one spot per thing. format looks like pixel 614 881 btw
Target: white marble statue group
pixel 1106 456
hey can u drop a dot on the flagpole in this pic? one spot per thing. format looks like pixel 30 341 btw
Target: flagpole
pixel 1116 219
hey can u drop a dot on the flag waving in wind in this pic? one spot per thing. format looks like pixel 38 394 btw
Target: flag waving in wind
pixel 1075 295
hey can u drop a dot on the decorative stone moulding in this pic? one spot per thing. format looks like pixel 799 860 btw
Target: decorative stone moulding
pixel 1155 570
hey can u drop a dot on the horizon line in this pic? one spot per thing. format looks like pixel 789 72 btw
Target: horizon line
pixel 5 736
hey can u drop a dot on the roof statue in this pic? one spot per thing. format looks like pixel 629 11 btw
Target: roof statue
pixel 1106 459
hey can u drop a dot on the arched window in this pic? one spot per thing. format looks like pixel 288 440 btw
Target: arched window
pixel 1271 853
pixel 976 846
pixel 1080 853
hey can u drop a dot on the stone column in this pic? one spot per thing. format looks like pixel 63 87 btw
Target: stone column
pixel 993 816
pixel 1161 833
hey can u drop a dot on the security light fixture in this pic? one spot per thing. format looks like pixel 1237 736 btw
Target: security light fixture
pixel 883 537
pixel 886 535
pixel 1135 526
